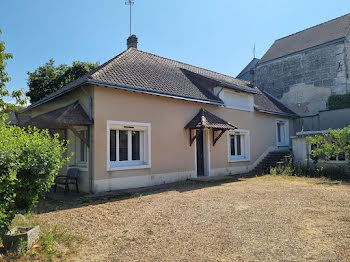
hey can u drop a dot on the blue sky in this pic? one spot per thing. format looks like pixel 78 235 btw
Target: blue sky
pixel 217 35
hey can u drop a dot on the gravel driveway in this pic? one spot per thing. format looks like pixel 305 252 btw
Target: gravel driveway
pixel 258 219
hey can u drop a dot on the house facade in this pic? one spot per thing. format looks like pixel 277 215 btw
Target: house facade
pixel 141 120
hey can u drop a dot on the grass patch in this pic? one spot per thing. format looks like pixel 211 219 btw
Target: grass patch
pixel 149 231
pixel 53 244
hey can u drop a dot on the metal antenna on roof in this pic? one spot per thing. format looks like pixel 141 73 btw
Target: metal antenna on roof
pixel 130 3
pixel 254 51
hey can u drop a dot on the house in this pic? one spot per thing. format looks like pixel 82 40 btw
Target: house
pixel 140 120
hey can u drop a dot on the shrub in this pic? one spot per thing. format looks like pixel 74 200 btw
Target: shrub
pixel 29 161
pixel 339 101
pixel 332 144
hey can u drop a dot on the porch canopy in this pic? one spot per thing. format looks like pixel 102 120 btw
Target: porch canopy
pixel 64 117
pixel 205 119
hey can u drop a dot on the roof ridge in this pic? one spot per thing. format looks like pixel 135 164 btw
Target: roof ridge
pixel 312 27
pixel 190 65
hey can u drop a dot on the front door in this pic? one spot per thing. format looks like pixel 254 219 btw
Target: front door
pixel 200 153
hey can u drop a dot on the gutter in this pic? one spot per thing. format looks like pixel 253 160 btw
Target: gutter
pixel 53 96
pixel 137 90
pixel 94 82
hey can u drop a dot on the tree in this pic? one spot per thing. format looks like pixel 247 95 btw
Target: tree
pixel 332 144
pixel 11 108
pixel 49 78
pixel 4 78
pixel 29 158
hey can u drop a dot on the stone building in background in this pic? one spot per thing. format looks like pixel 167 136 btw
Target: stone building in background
pixel 303 69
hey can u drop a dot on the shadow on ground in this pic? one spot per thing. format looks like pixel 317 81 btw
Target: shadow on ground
pixel 61 200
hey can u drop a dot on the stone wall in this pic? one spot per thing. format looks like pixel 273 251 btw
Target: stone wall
pixel 305 80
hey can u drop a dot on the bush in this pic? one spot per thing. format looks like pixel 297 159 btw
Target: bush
pixel 29 161
pixel 332 144
pixel 339 101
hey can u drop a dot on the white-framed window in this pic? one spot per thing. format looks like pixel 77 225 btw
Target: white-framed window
pixel 128 145
pixel 282 132
pixel 235 100
pixel 238 145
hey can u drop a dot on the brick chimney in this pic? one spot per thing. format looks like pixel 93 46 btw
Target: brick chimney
pixel 132 41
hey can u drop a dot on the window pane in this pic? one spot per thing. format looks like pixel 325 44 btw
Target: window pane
pixel 239 149
pixel 136 145
pixel 123 145
pixel 279 132
pixel 113 146
pixel 233 151
pixel 82 147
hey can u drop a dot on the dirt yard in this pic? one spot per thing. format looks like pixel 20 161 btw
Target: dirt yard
pixel 259 219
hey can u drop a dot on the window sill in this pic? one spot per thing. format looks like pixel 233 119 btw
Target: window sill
pixel 121 167
pixel 238 159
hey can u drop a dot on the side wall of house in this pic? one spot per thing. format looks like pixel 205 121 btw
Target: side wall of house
pixel 172 157
pixel 304 81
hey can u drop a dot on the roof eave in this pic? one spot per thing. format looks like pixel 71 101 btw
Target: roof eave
pixel 137 90
pixel 51 97
pixel 275 113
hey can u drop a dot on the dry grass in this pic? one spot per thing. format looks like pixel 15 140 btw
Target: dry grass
pixel 259 219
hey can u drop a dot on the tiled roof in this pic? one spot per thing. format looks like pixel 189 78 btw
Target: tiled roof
pixel 144 72
pixel 150 72
pixel 205 119
pixel 266 103
pixel 320 34
pixel 72 114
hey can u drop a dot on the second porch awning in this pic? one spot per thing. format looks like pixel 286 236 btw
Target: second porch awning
pixel 205 119
pixel 64 117
pixel 70 115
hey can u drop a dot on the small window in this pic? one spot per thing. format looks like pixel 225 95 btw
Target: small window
pixel 82 147
pixel 239 146
pixel 128 146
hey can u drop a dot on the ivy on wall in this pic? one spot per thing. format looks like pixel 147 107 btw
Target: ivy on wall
pixel 339 101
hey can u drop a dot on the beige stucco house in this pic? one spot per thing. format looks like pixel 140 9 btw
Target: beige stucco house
pixel 141 119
